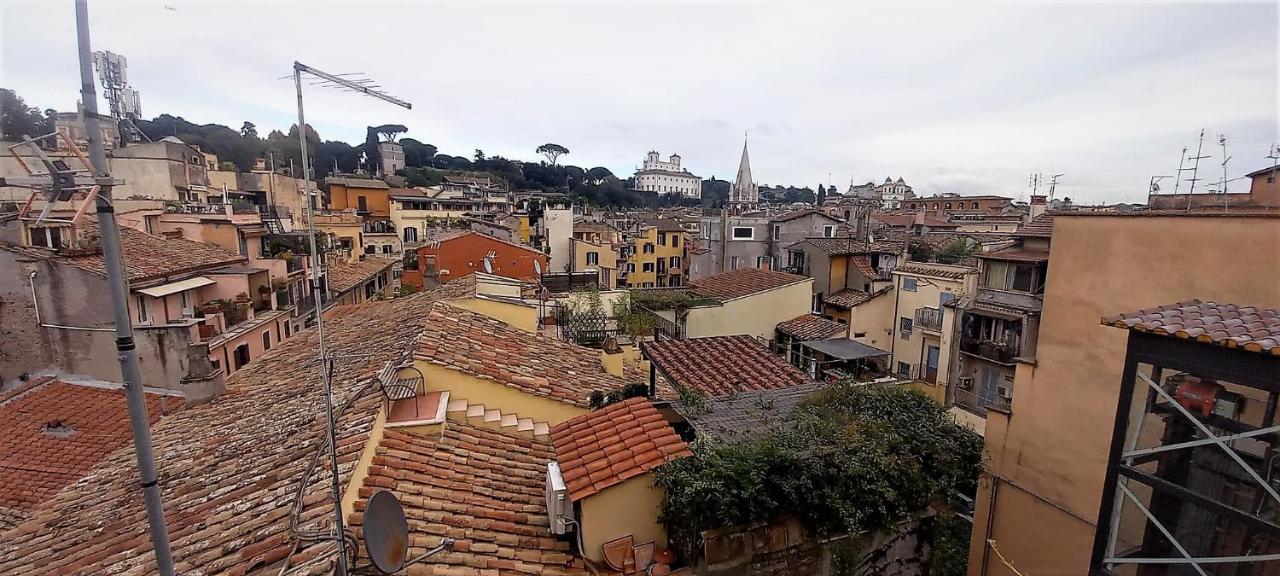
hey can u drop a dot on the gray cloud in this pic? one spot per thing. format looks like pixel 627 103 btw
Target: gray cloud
pixel 956 97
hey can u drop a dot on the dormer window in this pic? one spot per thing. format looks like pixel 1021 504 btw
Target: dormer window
pixel 47 237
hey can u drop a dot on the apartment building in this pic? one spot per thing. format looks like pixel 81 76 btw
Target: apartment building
pixel 597 246
pixel 667 177
pixel 656 255
pixel 838 264
pixel 1048 454
pixel 469 253
pixel 925 334
pixel 729 242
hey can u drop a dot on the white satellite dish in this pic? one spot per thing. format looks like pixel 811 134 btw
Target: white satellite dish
pixel 537 267
pixel 488 265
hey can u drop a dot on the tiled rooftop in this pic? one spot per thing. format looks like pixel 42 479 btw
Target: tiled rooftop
pixel 149 257
pixel 848 246
pixel 493 350
pixel 937 271
pixel 743 282
pixel 811 327
pixel 344 275
pixel 1041 227
pixel 231 469
pixel 1248 327
pixel 850 298
pixel 613 445
pixel 484 489
pixel 802 213
pixel 722 365
pixel 863 263
pixel 52 433
pixel 1017 254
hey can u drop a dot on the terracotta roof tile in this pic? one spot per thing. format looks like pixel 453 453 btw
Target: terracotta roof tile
pixel 937 271
pixel 811 327
pixel 1016 254
pixel 593 457
pixel 52 433
pixel 852 298
pixel 1248 327
pixel 722 365
pixel 801 213
pixel 493 350
pixel 863 263
pixel 848 246
pixel 1041 227
pixel 743 282
pixel 344 275
pixel 231 470
pixel 149 257
pixel 483 488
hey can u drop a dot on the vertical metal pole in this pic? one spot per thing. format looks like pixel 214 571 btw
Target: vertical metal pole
pixel 1110 502
pixel 119 288
pixel 326 362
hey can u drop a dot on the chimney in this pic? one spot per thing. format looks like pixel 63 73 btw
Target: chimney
pixel 1038 206
pixel 203 382
pixel 611 357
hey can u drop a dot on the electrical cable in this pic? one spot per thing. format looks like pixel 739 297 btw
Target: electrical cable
pixel 992 543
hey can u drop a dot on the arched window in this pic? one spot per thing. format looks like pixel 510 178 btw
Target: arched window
pixel 935 205
pixel 948 205
pixel 975 205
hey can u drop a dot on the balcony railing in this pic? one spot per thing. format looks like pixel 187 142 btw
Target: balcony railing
pixel 1001 352
pixel 929 319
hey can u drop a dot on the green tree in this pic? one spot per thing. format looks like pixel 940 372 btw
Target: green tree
pixel 552 152
pixel 822 195
pixel 248 130
pixel 17 119
pixel 389 131
pixel 416 153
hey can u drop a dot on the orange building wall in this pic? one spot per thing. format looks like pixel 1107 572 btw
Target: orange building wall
pixel 464 255
pixel 378 201
pixel 1050 452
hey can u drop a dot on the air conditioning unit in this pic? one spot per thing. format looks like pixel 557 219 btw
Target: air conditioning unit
pixel 966 383
pixel 559 508
pixel 1005 392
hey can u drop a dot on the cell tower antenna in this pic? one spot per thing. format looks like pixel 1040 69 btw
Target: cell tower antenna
pixel 1195 164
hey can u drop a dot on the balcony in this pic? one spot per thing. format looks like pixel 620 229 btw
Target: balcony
pixel 998 352
pixel 929 319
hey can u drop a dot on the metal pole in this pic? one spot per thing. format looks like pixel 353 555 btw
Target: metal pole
pixel 325 361
pixel 119 287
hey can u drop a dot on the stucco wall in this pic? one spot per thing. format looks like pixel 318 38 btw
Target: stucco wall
pixel 874 319
pixel 927 294
pixel 72 297
pixel 517 315
pixel 627 508
pixel 757 315
pixel 1055 442
pixel 509 400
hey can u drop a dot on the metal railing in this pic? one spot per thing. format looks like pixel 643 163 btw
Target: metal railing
pixel 1001 352
pixel 662 328
pixel 929 319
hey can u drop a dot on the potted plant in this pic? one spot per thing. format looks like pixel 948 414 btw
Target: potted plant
pixel 242 298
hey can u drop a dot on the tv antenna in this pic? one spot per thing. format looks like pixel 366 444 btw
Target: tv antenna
pixel 1154 186
pixel 1195 164
pixel 1053 183
pixel 366 86
pixel 1182 163
pixel 1222 141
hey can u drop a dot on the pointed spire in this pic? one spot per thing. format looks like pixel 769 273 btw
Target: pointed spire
pixel 744 187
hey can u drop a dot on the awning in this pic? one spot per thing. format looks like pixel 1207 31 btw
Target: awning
pixel 844 349
pixel 175 287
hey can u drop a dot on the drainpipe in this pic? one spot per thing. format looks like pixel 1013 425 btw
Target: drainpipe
pixel 35 303
pixel 988 529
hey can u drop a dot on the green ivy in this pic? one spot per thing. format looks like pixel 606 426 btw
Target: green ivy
pixel 850 459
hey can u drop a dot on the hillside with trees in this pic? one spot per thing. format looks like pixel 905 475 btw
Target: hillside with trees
pixel 425 165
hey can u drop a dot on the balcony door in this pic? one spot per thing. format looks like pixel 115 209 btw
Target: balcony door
pixel 931 364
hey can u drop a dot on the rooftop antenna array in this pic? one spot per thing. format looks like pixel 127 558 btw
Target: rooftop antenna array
pixel 366 86
pixel 125 104
pixel 1182 163
pixel 1053 183
pixel 1195 164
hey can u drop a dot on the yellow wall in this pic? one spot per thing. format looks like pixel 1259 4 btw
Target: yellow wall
pixel 509 400
pixel 361 470
pixel 639 277
pixel 757 315
pixel 1051 450
pixel 875 319
pixel 627 508
pixel 927 292
pixel 520 316
pixel 607 261
pixel 836 274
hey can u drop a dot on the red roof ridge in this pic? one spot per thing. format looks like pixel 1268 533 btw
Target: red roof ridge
pixel 611 445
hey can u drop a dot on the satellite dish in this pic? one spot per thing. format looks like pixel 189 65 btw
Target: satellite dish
pixel 488 265
pixel 386 532
pixel 537 267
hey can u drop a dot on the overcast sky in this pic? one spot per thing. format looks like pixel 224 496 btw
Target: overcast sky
pixel 956 97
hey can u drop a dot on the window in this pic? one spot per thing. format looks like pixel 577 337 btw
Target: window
pixel 369 290
pixel 648 267
pixel 288 329
pixel 1008 276
pixel 593 258
pixel 975 205
pixel 149 223
pixel 777 232
pixel 370 249
pixel 828 231
pixel 386 248
pixel 50 237
pixel 909 284
pixel 362 204
pixel 842 321
pixel 244 243
pixel 764 262
pixel 648 248
pixel 631 267
pixel 1023 276
pixel 904 369
pixel 662 238
pixel 905 325
pixel 675 241
pixel 859 334
pixel 948 205
pixel 184 300
pixel 816 305
pixel 744 233
pixel 266 340
pixel 140 302
pixel 733 262
pixel 410 234
pixel 241 356
pixel 935 205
